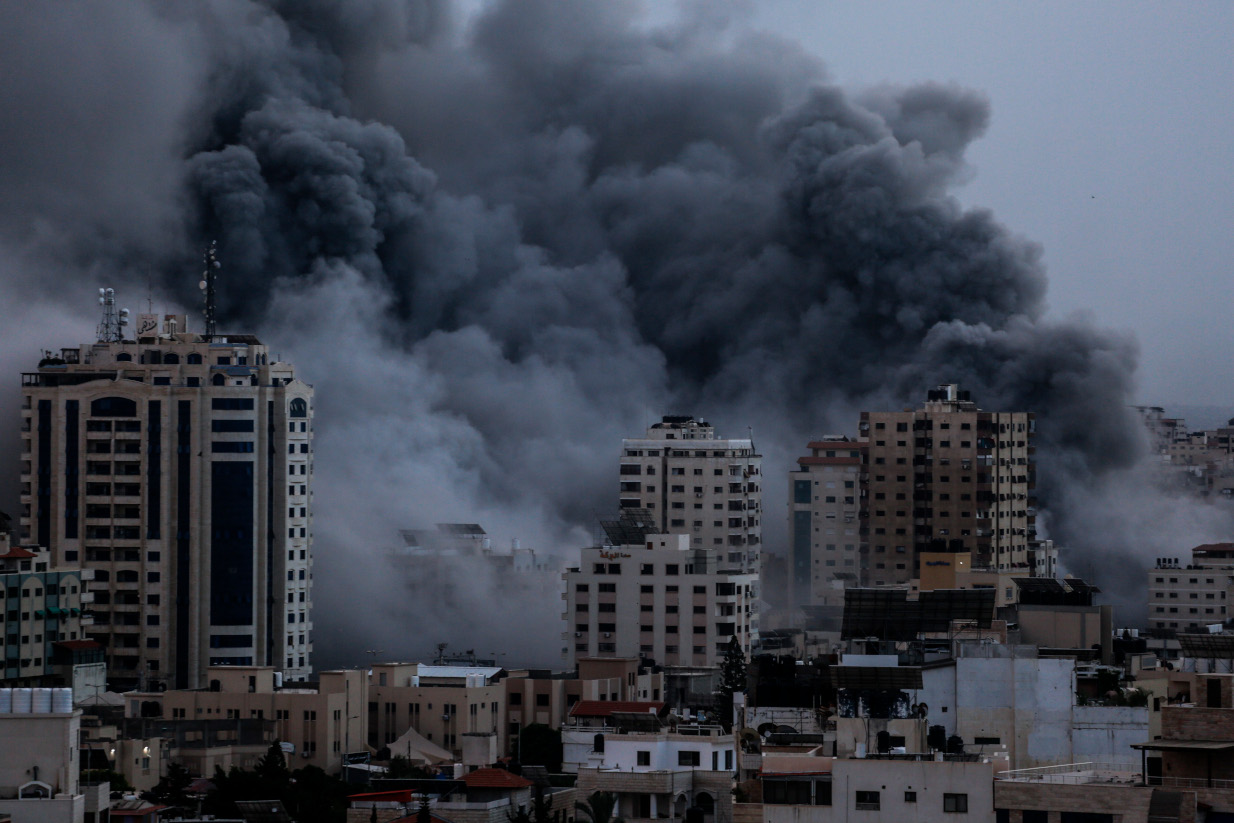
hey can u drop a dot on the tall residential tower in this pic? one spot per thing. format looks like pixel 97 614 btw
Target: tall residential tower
pixel 696 484
pixel 177 467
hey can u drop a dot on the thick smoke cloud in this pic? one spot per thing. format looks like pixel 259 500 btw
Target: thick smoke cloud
pixel 499 244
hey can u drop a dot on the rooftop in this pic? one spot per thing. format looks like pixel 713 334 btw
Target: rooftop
pixel 495 779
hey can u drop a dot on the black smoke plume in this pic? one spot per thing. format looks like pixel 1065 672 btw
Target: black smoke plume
pixel 499 243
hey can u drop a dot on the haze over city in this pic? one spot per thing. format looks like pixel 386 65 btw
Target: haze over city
pixel 500 237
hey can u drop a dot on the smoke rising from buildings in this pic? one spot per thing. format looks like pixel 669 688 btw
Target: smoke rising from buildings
pixel 499 244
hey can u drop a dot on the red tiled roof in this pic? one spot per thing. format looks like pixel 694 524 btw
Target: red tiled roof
pixel 1214 547
pixel 494 779
pixel 17 553
pixel 605 708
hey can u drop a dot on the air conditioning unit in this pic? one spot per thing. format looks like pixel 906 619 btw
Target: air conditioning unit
pixel 306 754
pixel 608 634
pixel 578 634
pixel 446 718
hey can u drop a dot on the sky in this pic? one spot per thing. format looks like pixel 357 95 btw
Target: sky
pixel 1109 144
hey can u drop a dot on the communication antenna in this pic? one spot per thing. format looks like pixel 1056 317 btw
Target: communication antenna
pixel 211 266
pixel 111 329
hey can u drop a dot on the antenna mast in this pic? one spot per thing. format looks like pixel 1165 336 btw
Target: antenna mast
pixel 211 266
pixel 111 329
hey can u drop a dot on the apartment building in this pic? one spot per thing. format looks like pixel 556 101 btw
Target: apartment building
pixel 661 599
pixel 947 477
pixel 177 467
pixel 322 720
pixel 442 703
pixel 549 698
pixel 824 522
pixel 696 484
pixel 41 607
pixel 1188 598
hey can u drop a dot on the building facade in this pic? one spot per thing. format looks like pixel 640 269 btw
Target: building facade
pixel 41 607
pixel 824 522
pixel 947 477
pixel 442 703
pixel 177 468
pixel 661 599
pixel 696 484
pixel 1189 598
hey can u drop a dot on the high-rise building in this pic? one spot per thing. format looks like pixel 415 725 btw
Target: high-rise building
pixel 697 484
pixel 824 522
pixel 947 477
pixel 177 467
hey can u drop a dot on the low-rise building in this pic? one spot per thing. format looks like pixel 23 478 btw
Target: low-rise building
pixel 40 757
pixel 442 703
pixel 1184 598
pixel 536 696
pixel 321 720
pixel 657 599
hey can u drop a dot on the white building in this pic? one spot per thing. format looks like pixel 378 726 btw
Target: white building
pixel 660 599
pixel 699 485
pixel 40 758
pixel 177 467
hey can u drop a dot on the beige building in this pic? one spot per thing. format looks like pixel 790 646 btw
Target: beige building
pixel 696 484
pixel 322 721
pixel 40 759
pixel 1188 598
pixel 177 467
pixel 548 697
pixel 824 522
pixel 41 608
pixel 947 477
pixel 442 703
pixel 660 599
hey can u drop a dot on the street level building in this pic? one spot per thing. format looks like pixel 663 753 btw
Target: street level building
pixel 177 468
pixel 699 485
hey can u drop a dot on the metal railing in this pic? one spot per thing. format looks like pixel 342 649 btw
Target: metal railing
pixel 1076 774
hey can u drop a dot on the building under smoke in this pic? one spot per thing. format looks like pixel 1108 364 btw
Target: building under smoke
pixel 176 467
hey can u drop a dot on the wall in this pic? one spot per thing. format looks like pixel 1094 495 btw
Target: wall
pixel 1105 734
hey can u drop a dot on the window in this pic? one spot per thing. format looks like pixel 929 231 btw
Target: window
pixel 688 759
pixel 868 801
pixel 910 797
pixel 644 758
pixel 955 802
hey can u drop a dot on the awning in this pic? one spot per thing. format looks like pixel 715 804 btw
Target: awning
pixel 38 614
pixel 74 611
pixel 1186 746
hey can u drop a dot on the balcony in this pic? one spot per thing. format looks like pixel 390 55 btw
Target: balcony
pixel 642 782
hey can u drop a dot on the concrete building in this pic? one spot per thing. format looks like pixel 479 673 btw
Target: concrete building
pixel 550 697
pixel 322 720
pixel 947 477
pixel 661 599
pixel 656 772
pixel 824 522
pixel 810 788
pixel 699 485
pixel 41 607
pixel 1188 598
pixel 442 703
pixel 177 467
pixel 40 758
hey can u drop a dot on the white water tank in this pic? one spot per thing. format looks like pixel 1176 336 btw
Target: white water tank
pixel 62 701
pixel 861 751
pixel 21 700
pixel 40 701
pixel 6 701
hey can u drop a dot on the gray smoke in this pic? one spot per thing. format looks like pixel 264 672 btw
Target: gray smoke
pixel 499 244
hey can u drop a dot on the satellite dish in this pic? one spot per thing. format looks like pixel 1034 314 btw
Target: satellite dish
pixel 102 292
pixel 202 285
pixel 218 265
